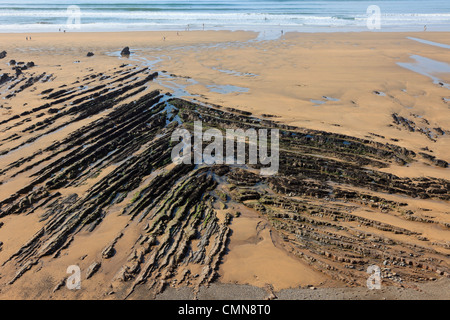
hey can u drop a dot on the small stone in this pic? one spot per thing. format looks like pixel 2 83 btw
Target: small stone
pixel 93 268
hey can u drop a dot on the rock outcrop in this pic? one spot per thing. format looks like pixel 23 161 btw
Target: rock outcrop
pixel 331 202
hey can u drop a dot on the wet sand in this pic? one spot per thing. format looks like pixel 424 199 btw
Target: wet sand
pixel 345 83
pixel 285 77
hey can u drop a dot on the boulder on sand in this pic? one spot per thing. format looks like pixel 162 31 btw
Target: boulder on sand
pixel 3 54
pixel 90 54
pixel 125 52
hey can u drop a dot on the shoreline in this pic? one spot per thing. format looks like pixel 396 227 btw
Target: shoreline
pixel 165 38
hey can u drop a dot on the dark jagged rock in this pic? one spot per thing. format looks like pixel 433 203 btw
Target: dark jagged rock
pixel 90 54
pixel 125 52
pixel 93 268
pixel 441 163
pixel 431 133
pixel 325 202
pixel 3 54
pixel 52 110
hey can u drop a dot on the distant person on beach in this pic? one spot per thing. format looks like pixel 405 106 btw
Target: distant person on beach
pixel 27 38
pixel 425 28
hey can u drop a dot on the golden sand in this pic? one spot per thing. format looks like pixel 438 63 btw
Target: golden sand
pixel 278 78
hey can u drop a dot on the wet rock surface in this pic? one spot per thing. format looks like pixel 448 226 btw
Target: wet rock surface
pixel 125 52
pixel 420 125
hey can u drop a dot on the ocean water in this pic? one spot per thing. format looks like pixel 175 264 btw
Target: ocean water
pixel 256 15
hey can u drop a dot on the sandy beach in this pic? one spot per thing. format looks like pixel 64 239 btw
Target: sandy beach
pixel 282 75
pixel 381 90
